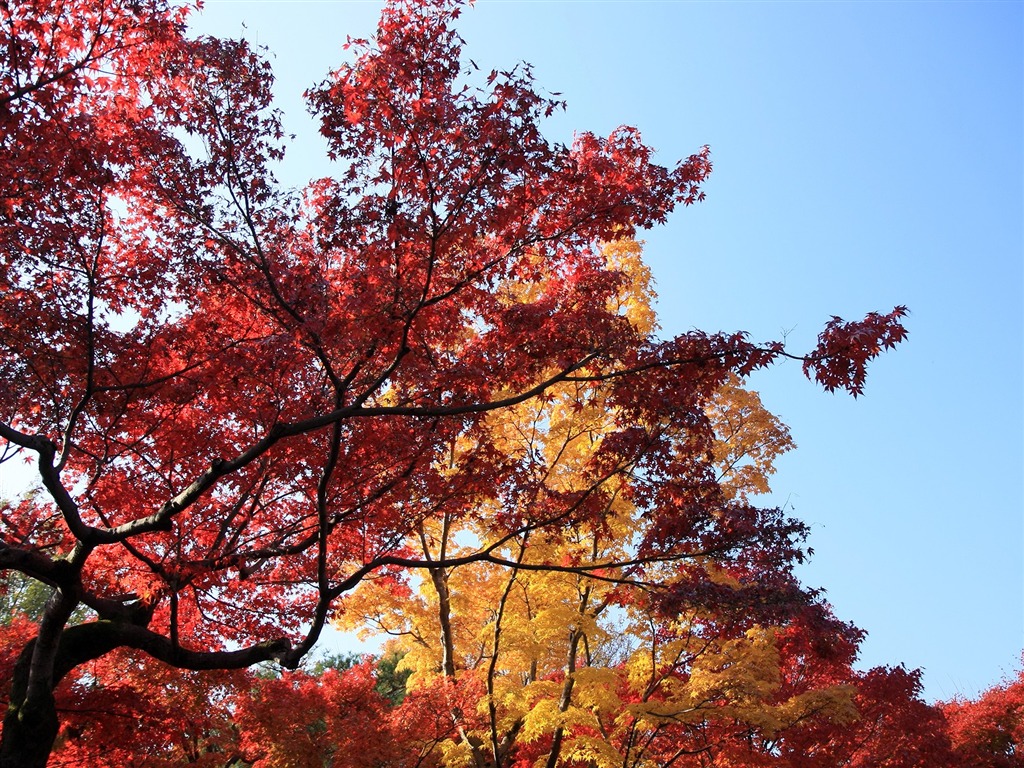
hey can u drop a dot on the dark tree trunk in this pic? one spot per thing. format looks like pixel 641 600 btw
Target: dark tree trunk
pixel 29 733
pixel 30 727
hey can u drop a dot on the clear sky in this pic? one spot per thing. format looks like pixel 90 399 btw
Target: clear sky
pixel 867 154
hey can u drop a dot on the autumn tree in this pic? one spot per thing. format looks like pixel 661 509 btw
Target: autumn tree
pixel 241 401
pixel 988 732
pixel 554 661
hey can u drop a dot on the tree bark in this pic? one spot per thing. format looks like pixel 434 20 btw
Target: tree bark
pixel 29 733
pixel 439 577
pixel 30 727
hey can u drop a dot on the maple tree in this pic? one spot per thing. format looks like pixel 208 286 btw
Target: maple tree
pixel 989 732
pixel 241 401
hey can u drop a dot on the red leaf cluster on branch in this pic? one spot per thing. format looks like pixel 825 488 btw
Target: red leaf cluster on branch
pixel 845 348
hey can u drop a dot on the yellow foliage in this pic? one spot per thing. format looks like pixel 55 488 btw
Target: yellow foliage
pixel 637 295
pixel 456 754
pixel 836 703
pixel 748 439
pixel 547 716
pixel 744 670
pixel 592 751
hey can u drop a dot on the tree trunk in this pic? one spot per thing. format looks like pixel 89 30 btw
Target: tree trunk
pixel 29 733
pixel 30 726
pixel 439 577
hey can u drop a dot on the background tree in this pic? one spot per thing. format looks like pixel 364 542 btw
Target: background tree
pixel 527 654
pixel 241 401
pixel 989 731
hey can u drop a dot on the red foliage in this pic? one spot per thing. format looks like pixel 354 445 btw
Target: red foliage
pixel 894 728
pixel 240 403
pixel 300 720
pixel 989 732
pixel 128 710
pixel 844 349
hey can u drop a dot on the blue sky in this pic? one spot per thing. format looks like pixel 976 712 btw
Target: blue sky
pixel 866 155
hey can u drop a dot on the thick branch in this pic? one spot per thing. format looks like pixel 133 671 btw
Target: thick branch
pixel 89 641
